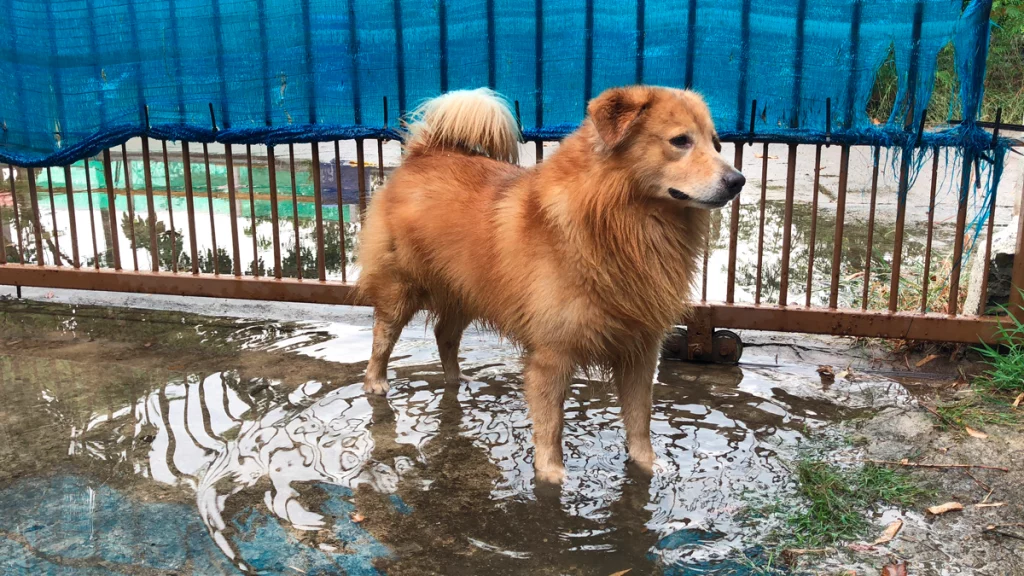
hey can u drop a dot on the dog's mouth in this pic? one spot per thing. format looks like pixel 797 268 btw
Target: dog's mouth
pixel 710 204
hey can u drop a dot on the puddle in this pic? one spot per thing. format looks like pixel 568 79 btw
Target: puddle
pixel 267 458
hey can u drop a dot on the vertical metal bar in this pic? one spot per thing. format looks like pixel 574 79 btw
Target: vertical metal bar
pixel 837 242
pixel 92 214
pixel 190 200
pixel 871 229
pixel 70 193
pixel 53 217
pixel 988 255
pixel 321 266
pixel 1017 283
pixel 901 217
pixel 380 159
pixel 814 225
pixel 17 216
pixel 760 228
pixel 131 205
pixel 787 226
pixel 734 229
pixel 958 241
pixel 272 168
pixel 704 274
pixel 361 175
pixel 170 208
pixel 147 169
pixel 295 212
pixel 34 197
pixel 341 209
pixel 209 197
pixel 229 165
pixel 115 242
pixel 252 214
pixel 539 151
pixel 931 227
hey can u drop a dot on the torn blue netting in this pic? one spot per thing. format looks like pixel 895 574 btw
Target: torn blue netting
pixel 79 75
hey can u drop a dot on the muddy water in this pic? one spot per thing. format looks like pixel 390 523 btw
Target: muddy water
pixel 149 443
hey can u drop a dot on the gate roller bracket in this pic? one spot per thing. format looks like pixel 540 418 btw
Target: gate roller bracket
pixel 726 347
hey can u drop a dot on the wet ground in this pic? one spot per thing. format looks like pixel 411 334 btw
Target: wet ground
pixel 148 442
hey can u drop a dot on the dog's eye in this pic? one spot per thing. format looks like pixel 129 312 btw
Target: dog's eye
pixel 718 144
pixel 681 141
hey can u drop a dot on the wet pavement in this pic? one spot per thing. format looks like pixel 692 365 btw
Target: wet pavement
pixel 158 442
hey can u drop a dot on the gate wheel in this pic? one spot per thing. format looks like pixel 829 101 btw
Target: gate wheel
pixel 726 347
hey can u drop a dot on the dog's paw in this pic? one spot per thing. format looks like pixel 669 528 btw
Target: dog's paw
pixel 550 474
pixel 647 464
pixel 379 387
pixel 456 378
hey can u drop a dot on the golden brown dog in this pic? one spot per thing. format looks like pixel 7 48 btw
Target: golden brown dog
pixel 584 261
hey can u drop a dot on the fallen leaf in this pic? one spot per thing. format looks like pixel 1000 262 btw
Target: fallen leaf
pixel 759 155
pixel 890 532
pixel 357 517
pixel 990 505
pixel 827 376
pixel 621 572
pixel 843 374
pixel 975 433
pixel 926 360
pixel 947 507
pixel 1018 400
pixel 861 547
pixel 147 345
pixel 899 569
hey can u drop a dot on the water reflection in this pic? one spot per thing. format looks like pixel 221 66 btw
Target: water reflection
pixel 458 456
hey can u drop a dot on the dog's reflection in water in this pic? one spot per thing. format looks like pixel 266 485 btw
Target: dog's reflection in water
pixel 444 468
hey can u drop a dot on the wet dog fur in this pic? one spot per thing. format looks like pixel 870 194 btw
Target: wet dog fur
pixel 584 261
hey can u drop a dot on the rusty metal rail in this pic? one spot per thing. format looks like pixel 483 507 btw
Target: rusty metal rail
pixel 273 252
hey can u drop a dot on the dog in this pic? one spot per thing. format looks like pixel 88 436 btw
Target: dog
pixel 584 261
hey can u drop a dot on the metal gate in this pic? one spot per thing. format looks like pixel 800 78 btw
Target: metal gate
pixel 278 223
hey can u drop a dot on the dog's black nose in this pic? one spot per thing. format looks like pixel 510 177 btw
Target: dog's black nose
pixel 734 181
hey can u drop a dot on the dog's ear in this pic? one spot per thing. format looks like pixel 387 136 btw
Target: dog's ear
pixel 616 111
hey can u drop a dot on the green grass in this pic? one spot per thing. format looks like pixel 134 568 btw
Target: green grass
pixel 835 503
pixel 978 411
pixel 1003 85
pixel 1006 362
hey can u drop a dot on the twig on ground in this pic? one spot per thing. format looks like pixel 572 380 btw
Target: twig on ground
pixel 996 529
pixel 917 465
pixel 979 482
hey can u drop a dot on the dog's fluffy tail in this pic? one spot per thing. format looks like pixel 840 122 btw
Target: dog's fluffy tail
pixel 476 121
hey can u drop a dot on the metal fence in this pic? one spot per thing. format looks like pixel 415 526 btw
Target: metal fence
pixel 279 224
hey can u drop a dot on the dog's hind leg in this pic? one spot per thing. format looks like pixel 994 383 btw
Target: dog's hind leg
pixel 634 379
pixel 546 380
pixel 448 331
pixel 394 307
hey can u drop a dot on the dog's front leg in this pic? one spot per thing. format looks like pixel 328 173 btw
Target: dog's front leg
pixel 546 379
pixel 635 382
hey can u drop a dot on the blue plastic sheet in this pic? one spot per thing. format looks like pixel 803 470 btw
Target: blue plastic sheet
pixel 79 75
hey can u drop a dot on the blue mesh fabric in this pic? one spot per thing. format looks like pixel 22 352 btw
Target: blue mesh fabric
pixel 78 75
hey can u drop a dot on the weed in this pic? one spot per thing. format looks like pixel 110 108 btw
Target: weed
pixel 836 501
pixel 977 411
pixel 1006 363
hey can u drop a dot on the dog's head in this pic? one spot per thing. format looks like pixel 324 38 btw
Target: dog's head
pixel 666 140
